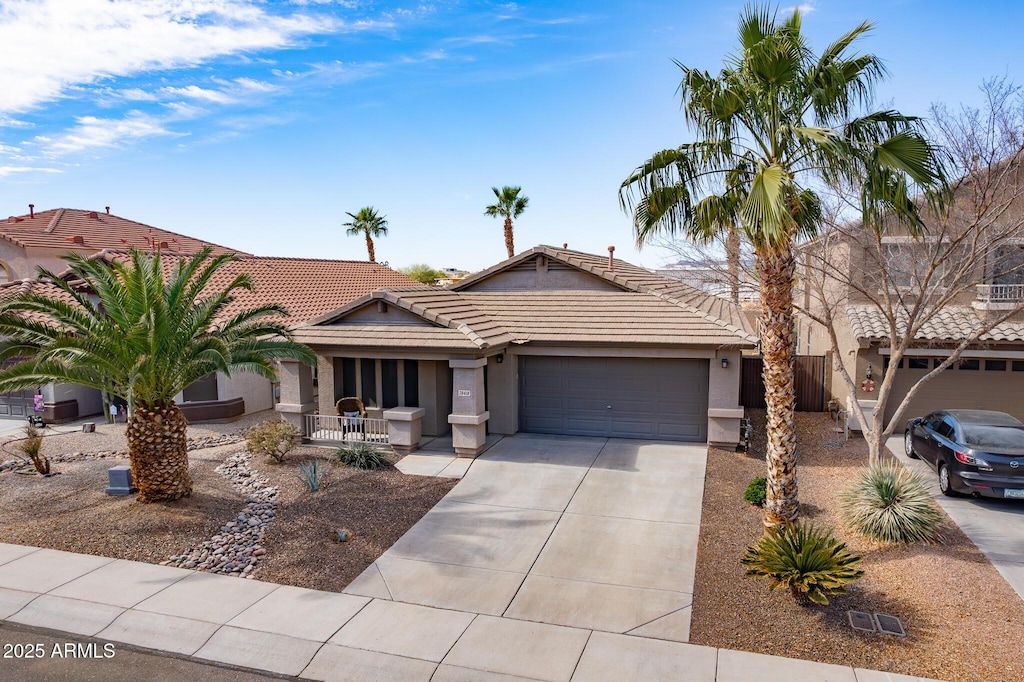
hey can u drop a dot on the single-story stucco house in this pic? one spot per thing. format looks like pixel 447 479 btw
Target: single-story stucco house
pixel 551 341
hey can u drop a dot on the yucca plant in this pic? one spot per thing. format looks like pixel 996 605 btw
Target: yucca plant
pixel 312 474
pixel 807 560
pixel 891 504
pixel 362 456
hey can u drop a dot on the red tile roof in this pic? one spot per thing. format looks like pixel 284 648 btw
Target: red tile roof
pixel 91 231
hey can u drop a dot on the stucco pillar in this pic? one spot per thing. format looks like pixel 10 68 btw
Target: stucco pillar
pixel 468 417
pixel 405 428
pixel 296 391
pixel 724 410
pixel 325 374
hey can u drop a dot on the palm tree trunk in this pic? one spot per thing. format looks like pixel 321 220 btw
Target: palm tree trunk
pixel 369 248
pixel 508 237
pixel 732 257
pixel 158 448
pixel 776 269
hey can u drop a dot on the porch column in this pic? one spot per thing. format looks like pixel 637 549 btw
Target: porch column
pixel 296 392
pixel 724 410
pixel 325 372
pixel 468 417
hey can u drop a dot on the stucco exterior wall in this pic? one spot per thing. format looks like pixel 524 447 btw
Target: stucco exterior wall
pixel 371 314
pixel 90 401
pixel 257 392
pixel 540 273
pixel 503 394
pixel 23 263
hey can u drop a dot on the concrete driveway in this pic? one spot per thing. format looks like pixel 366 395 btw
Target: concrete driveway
pixel 995 526
pixel 584 532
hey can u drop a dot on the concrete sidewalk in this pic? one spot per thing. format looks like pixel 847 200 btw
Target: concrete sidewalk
pixel 330 636
pixel 995 526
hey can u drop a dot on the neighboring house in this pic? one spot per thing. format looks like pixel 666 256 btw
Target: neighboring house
pixel 41 238
pixel 713 278
pixel 305 287
pixel 551 341
pixel 990 374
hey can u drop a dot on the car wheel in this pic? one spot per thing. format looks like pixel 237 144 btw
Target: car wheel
pixel 946 485
pixel 908 445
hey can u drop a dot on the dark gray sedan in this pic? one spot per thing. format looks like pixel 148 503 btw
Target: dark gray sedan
pixel 975 452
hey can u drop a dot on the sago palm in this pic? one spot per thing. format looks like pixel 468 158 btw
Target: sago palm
pixel 773 124
pixel 142 330
pixel 510 205
pixel 369 224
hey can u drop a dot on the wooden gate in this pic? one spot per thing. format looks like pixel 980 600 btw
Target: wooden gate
pixel 809 373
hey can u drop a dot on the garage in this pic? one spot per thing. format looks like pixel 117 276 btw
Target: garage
pixel 16 404
pixel 973 384
pixel 614 397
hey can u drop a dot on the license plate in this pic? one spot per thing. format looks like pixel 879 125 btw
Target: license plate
pixel 1016 494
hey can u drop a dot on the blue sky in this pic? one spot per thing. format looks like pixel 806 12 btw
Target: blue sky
pixel 258 124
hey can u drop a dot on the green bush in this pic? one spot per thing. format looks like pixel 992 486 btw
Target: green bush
pixel 274 438
pixel 810 562
pixel 756 491
pixel 891 504
pixel 362 456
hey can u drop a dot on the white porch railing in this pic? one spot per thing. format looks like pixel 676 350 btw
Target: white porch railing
pixel 1000 293
pixel 337 429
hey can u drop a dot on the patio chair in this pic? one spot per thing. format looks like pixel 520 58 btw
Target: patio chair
pixel 351 411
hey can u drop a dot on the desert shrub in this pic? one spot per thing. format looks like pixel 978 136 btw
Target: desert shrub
pixel 362 456
pixel 312 474
pixel 756 491
pixel 31 446
pixel 809 561
pixel 272 438
pixel 890 504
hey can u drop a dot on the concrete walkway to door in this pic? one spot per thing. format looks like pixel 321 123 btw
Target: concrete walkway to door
pixel 584 532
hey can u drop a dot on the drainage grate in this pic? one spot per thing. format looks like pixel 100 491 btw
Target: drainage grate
pixel 889 625
pixel 861 621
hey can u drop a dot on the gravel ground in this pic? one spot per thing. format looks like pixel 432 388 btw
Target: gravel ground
pixel 72 512
pixel 963 621
pixel 377 506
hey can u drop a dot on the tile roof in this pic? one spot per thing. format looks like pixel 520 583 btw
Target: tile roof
pixel 952 323
pixel 91 231
pixel 598 317
pixel 9 289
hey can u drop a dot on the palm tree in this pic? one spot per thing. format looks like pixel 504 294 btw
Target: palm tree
pixel 773 123
pixel 510 205
pixel 368 223
pixel 144 336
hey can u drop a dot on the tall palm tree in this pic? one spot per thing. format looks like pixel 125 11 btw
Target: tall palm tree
pixel 368 223
pixel 774 123
pixel 144 333
pixel 511 206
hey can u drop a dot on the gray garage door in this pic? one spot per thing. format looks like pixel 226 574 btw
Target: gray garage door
pixel 978 384
pixel 619 397
pixel 16 404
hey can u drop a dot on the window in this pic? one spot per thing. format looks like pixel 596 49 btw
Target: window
pixel 347 384
pixel 995 365
pixel 917 363
pixel 1017 366
pixel 368 381
pixel 389 383
pixel 937 362
pixel 1009 265
pixel 908 263
pixel 946 430
pixel 412 383
pixel 885 363
pixel 204 389
pixel 969 364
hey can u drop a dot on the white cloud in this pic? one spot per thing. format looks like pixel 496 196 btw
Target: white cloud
pixel 49 46
pixel 91 133
pixel 11 170
pixel 805 9
pixel 202 94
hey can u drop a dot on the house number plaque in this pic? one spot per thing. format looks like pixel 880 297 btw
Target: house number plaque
pixel 463 393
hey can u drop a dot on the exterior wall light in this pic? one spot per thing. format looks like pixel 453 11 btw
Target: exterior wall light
pixel 500 358
pixel 725 363
pixel 867 374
